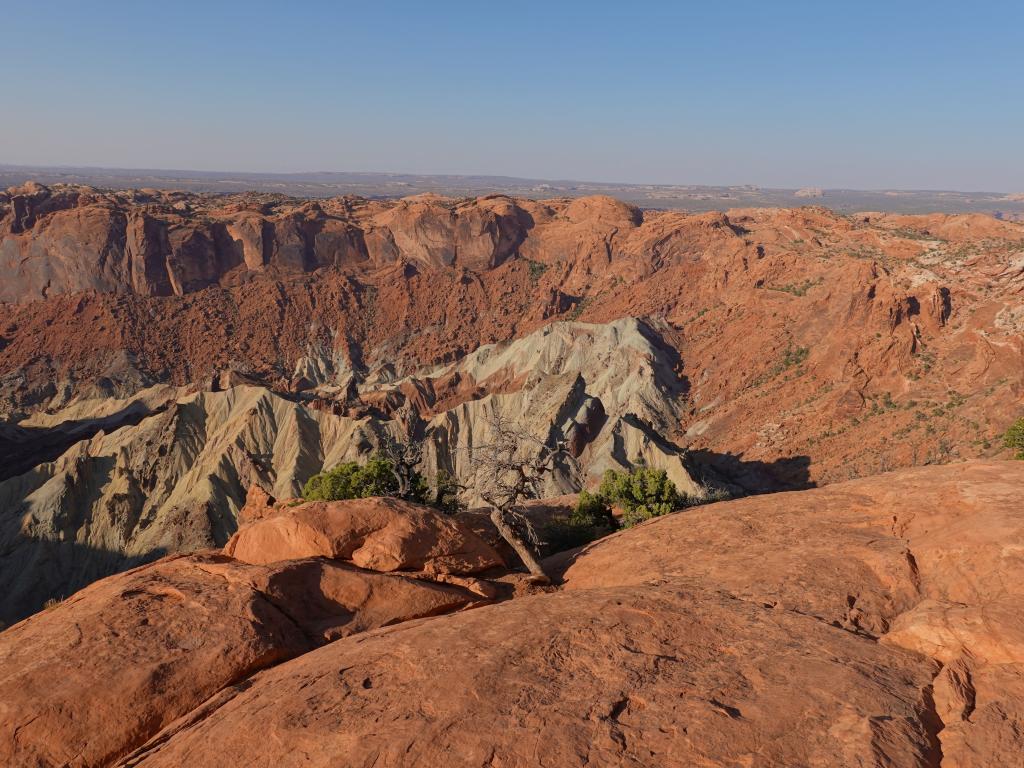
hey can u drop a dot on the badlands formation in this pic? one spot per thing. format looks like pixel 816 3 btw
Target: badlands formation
pixel 174 367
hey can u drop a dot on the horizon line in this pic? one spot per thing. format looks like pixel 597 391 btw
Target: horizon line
pixel 485 176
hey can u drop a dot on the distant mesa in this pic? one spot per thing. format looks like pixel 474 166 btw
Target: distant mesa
pixel 810 192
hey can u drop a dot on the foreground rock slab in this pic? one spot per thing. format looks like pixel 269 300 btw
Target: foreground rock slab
pixel 85 682
pixel 928 559
pixel 633 676
pixel 878 622
pixel 872 623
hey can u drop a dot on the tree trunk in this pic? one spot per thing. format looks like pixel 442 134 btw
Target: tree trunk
pixel 508 533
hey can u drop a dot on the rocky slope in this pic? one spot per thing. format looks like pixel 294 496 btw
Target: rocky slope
pixel 161 351
pixel 792 327
pixel 175 481
pixel 874 622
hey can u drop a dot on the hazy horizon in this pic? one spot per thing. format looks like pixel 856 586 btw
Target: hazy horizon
pixel 223 172
pixel 911 96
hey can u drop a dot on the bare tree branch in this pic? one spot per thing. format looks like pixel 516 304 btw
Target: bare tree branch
pixel 510 469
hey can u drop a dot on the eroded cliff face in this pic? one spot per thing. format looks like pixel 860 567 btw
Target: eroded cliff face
pixel 766 348
pixel 160 244
pixel 175 481
pixel 852 341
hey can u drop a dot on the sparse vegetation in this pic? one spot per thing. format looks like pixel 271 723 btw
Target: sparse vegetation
pixel 914 234
pixel 379 476
pixel 445 492
pixel 641 494
pixel 792 357
pixel 536 270
pixel 1013 438
pixel 591 520
pixel 578 309
pixel 512 468
pixel 797 289
pixel 392 471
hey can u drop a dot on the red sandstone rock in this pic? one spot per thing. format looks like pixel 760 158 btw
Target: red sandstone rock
pixel 875 622
pixel 258 505
pixel 88 680
pixel 930 560
pixel 380 534
pixel 638 676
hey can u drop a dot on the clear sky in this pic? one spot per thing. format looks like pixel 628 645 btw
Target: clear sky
pixel 897 94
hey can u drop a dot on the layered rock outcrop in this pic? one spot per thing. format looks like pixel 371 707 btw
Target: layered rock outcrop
pixel 839 338
pixel 176 481
pixel 150 243
pixel 779 348
pixel 172 483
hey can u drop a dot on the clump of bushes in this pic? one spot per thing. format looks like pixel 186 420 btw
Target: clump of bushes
pixel 1013 438
pixel 352 480
pixel 379 476
pixel 640 494
pixel 591 519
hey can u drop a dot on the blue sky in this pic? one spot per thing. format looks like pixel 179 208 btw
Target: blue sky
pixel 925 95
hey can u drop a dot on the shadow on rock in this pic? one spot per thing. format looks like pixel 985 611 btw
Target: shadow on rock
pixel 22 448
pixel 791 473
pixel 37 572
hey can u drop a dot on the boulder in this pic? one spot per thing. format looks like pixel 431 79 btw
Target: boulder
pixel 88 680
pixel 380 534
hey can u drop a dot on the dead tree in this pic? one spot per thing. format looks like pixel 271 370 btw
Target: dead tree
pixel 405 455
pixel 508 470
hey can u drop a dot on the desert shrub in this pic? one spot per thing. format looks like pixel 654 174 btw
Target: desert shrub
pixel 590 520
pixel 641 494
pixel 352 480
pixel 1013 438
pixel 377 477
pixel 445 493
pixel 592 509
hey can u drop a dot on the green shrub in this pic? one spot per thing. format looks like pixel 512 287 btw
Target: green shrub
pixel 352 480
pixel 1014 438
pixel 592 509
pixel 641 494
pixel 377 477
pixel 537 269
pixel 445 494
pixel 590 520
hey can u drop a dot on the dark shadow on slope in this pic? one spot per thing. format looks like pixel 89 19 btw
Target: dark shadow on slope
pixel 22 448
pixel 35 571
pixel 791 473
pixel 679 386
